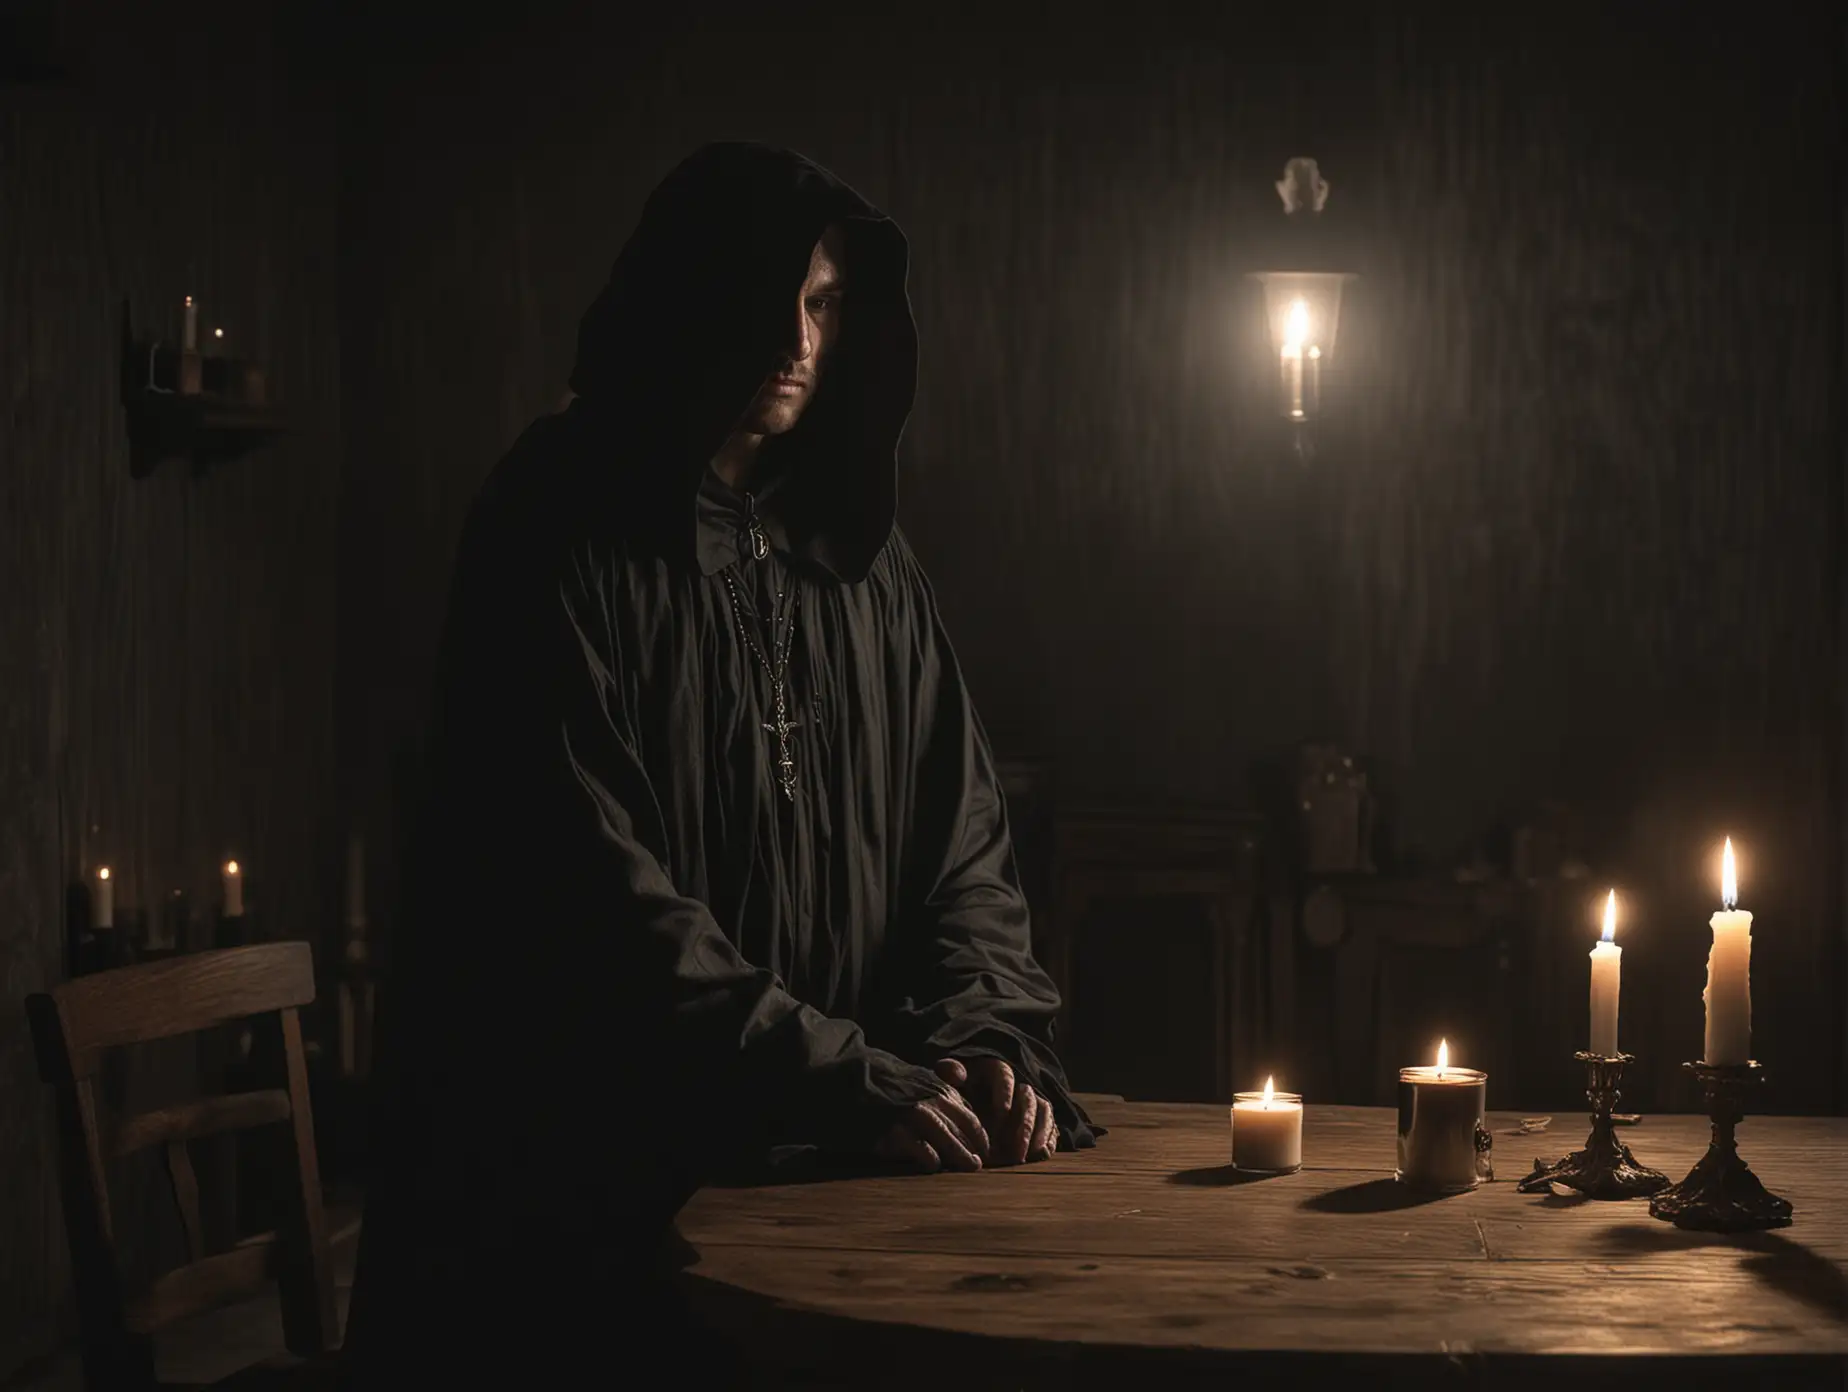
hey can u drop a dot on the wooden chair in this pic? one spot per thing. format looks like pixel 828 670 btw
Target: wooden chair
pixel 72 1027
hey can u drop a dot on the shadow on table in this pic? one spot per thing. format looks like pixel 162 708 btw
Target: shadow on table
pixel 1370 1196
pixel 1218 1176
pixel 1786 1266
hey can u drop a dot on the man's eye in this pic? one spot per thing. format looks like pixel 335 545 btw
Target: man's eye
pixel 821 304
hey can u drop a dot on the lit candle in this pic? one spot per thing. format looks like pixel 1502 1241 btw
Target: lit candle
pixel 1729 974
pixel 105 899
pixel 1267 1130
pixel 1296 329
pixel 189 339
pixel 1443 1144
pixel 234 890
pixel 1606 972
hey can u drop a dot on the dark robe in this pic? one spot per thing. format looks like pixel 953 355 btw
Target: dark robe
pixel 629 962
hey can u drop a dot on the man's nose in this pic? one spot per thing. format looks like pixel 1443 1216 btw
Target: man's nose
pixel 802 344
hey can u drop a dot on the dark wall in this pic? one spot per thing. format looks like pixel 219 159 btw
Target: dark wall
pixel 1579 538
pixel 166 645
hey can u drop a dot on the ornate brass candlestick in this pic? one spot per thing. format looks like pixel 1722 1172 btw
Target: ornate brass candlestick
pixel 1721 1194
pixel 1604 1169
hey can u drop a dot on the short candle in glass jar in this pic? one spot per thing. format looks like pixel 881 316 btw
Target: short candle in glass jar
pixel 1267 1131
pixel 1440 1123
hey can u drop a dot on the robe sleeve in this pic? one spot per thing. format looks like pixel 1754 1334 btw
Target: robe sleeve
pixel 971 987
pixel 720 1058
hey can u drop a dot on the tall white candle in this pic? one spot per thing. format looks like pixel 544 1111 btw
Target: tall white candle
pixel 189 339
pixel 234 890
pixel 105 899
pixel 1729 974
pixel 1267 1130
pixel 1606 973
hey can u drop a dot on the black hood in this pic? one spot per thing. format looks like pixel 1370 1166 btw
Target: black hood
pixel 697 314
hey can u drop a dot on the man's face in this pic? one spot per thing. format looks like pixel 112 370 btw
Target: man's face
pixel 814 326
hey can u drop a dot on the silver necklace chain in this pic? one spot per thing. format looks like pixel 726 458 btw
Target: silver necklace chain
pixel 776 667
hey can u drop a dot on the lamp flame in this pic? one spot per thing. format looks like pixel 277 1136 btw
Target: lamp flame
pixel 1269 1091
pixel 1729 878
pixel 1443 1055
pixel 1610 916
pixel 103 874
pixel 1296 327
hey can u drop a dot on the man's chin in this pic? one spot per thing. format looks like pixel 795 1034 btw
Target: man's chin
pixel 775 418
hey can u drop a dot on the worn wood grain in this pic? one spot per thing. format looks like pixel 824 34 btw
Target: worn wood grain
pixel 1161 1251
pixel 156 1000
pixel 206 1117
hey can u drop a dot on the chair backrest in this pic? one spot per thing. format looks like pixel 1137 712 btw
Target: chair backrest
pixel 73 1028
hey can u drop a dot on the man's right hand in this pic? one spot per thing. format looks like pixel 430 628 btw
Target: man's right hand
pixel 938 1133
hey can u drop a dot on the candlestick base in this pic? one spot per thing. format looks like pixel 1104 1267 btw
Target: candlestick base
pixel 1721 1194
pixel 1604 1169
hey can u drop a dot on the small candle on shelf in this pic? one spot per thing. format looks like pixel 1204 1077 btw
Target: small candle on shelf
pixel 189 337
pixel 1267 1130
pixel 1606 974
pixel 1728 996
pixel 105 899
pixel 1440 1126
pixel 234 890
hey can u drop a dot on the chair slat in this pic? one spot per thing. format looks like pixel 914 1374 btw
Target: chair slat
pixel 189 1121
pixel 156 1000
pixel 205 1284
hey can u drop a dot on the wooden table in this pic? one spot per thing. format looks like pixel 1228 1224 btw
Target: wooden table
pixel 1144 1259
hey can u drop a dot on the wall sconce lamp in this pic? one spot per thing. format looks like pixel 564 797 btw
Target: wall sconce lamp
pixel 1302 305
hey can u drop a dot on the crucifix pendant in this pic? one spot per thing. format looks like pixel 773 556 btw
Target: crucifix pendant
pixel 781 727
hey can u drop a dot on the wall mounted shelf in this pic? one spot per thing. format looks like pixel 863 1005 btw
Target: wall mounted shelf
pixel 207 428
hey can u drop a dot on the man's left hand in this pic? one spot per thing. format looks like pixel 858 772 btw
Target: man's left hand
pixel 1018 1119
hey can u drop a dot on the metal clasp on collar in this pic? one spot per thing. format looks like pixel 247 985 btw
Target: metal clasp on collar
pixel 760 544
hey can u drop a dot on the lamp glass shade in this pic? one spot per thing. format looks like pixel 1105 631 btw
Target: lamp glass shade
pixel 1303 309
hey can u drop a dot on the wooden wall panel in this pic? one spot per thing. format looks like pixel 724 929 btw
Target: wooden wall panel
pixel 166 646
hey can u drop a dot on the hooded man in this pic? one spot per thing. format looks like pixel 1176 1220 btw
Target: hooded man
pixel 715 866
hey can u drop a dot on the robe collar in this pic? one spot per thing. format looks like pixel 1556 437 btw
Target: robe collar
pixel 724 517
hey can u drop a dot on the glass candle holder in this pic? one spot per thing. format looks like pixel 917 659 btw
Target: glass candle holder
pixel 1267 1133
pixel 1443 1144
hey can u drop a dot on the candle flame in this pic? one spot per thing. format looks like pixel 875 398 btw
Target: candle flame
pixel 1443 1054
pixel 218 333
pixel 103 874
pixel 1296 327
pixel 1269 1091
pixel 1729 878
pixel 189 301
pixel 231 867
pixel 1610 916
